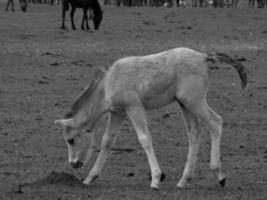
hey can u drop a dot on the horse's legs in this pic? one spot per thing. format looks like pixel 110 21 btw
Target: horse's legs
pixel 87 25
pixel 72 17
pixel 7 5
pixel 214 122
pixel 194 136
pixel 236 2
pixel 192 95
pixel 108 139
pixel 63 17
pixel 200 3
pixel 84 13
pixel 138 118
pixel 12 5
pixel 85 19
pixel 91 14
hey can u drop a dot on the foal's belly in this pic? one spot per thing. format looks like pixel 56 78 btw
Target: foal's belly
pixel 159 100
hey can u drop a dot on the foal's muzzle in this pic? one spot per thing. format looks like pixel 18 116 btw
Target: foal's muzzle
pixel 76 165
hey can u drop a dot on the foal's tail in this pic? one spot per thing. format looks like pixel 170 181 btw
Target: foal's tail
pixel 223 58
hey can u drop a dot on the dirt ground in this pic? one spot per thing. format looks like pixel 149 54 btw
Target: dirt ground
pixel 43 69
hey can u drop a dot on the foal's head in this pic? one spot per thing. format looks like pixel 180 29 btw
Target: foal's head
pixel 80 142
pixel 79 122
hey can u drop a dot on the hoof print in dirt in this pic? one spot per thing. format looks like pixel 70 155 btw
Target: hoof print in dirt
pixel 54 64
pixel 136 13
pixel 18 190
pixel 167 115
pixel 153 189
pixel 43 82
pixel 130 174
pixel 148 23
pixel 189 27
pixel 222 182
pixel 241 59
pixel 214 67
pixel 89 65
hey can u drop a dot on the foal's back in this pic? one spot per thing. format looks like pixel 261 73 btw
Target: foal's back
pixel 153 79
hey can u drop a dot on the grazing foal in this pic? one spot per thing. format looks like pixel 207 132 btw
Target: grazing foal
pixel 135 84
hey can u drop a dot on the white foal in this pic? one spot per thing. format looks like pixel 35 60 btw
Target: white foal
pixel 135 84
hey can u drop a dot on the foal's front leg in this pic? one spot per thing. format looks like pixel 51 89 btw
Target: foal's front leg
pixel 138 118
pixel 108 139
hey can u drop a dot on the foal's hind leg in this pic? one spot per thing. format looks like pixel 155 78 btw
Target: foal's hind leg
pixel 192 95
pixel 194 136
pixel 214 122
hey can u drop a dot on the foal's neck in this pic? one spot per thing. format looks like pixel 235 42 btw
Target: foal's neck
pixel 93 109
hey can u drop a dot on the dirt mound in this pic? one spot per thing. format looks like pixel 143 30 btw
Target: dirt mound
pixel 60 178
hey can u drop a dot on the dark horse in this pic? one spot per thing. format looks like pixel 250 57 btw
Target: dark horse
pixel 85 5
pixel 23 5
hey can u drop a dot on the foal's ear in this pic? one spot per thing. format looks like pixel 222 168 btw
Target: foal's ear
pixel 65 122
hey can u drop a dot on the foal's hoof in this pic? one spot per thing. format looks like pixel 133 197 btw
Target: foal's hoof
pixel 156 189
pixel 222 182
pixel 162 176
pixel 88 181
pixel 94 178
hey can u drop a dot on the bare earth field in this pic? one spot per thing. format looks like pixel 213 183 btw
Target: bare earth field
pixel 43 69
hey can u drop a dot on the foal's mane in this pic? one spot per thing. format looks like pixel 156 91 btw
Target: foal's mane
pixel 81 100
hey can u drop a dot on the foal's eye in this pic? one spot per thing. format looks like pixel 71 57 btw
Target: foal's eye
pixel 70 141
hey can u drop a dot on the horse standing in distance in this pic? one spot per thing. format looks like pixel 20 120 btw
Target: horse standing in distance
pixel 251 3
pixel 135 84
pixel 234 3
pixel 23 5
pixel 195 2
pixel 94 5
